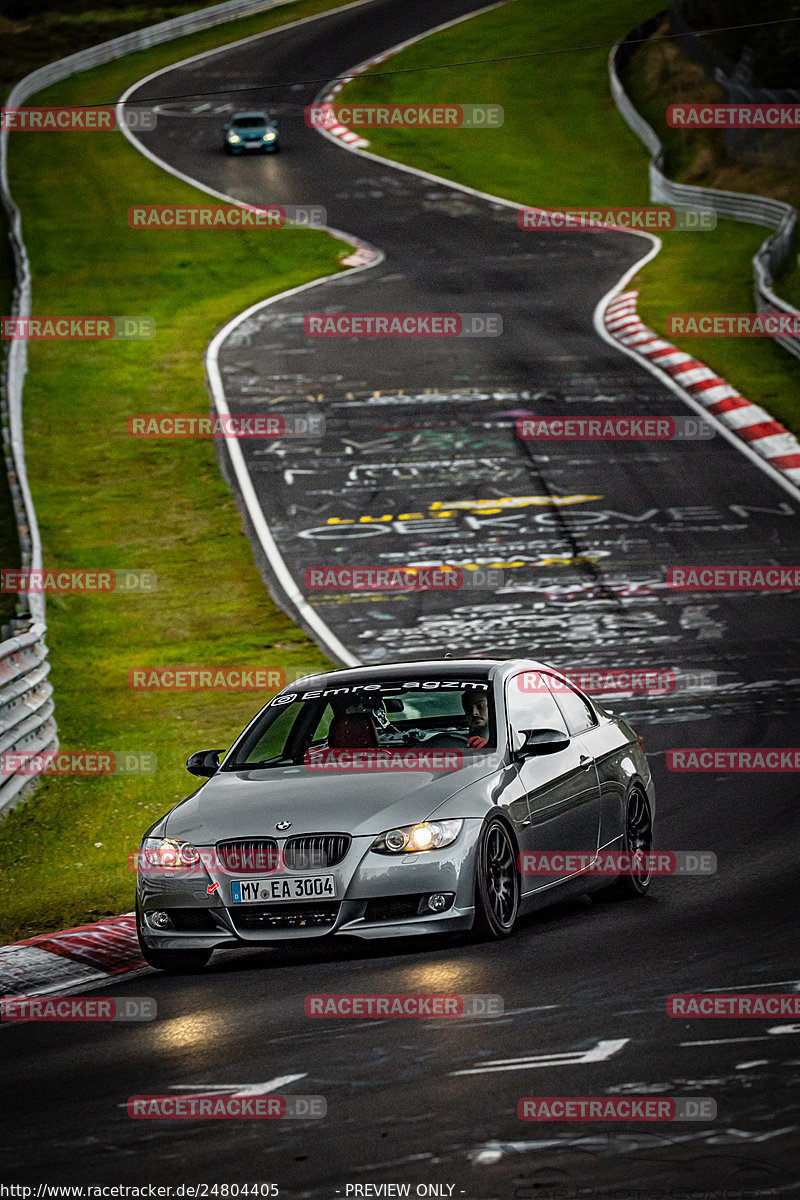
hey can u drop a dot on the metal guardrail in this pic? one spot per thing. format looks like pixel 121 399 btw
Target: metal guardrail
pixel 27 724
pixel 26 706
pixel 740 206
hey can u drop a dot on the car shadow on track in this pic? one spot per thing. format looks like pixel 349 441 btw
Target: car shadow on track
pixel 557 919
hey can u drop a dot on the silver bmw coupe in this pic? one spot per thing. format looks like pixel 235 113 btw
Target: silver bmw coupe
pixel 396 801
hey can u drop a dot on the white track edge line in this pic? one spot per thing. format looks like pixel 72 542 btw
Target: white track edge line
pixel 255 512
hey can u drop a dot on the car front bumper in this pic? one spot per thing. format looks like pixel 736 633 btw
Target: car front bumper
pixel 252 147
pixel 365 881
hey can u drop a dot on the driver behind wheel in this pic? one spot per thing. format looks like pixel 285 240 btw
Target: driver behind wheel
pixel 476 710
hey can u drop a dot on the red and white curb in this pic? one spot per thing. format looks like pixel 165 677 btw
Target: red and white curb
pixel 362 257
pixel 341 131
pixel 72 958
pixel 752 424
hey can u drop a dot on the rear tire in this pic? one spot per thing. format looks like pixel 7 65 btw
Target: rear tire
pixel 175 962
pixel 638 836
pixel 496 884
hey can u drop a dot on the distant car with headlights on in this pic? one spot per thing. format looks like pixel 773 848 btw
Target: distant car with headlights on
pixel 249 132
pixel 395 801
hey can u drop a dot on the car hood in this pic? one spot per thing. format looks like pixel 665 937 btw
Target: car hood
pixel 251 803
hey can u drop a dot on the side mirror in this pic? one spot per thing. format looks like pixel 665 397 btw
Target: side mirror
pixel 204 763
pixel 541 741
pixel 226 127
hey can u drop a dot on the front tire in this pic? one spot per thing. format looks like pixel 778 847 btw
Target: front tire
pixel 175 962
pixel 496 884
pixel 638 836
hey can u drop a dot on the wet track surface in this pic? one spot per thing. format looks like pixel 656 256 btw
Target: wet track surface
pixel 421 439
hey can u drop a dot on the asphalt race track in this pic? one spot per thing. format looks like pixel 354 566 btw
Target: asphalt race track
pixel 425 427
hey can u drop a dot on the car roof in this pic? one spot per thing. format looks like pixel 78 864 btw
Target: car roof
pixel 261 116
pixel 446 668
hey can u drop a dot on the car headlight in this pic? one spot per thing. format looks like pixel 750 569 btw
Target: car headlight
pixel 166 853
pixel 269 136
pixel 411 839
pixel 234 137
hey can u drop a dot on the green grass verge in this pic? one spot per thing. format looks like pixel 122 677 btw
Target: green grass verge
pixel 32 36
pixel 659 74
pixel 106 500
pixel 564 143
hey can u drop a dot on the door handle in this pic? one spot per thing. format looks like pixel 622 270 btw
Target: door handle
pixel 585 762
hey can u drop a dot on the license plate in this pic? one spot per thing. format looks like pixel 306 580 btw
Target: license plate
pixel 268 891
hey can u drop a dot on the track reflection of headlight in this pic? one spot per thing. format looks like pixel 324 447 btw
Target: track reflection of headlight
pixel 412 839
pixel 167 853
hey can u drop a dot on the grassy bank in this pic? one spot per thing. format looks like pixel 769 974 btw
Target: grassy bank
pixel 34 33
pixel 659 74
pixel 563 143
pixel 107 500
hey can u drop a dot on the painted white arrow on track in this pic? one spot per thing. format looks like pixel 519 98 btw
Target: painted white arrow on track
pixel 232 1089
pixel 598 1053
pixel 236 1089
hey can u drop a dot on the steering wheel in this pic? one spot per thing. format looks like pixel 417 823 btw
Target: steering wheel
pixel 451 740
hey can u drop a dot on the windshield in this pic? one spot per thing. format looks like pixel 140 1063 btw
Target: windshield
pixel 423 714
pixel 249 122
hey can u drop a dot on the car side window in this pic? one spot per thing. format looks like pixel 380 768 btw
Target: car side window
pixel 577 711
pixel 530 705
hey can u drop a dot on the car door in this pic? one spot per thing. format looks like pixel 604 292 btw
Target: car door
pixel 610 748
pixel 561 789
